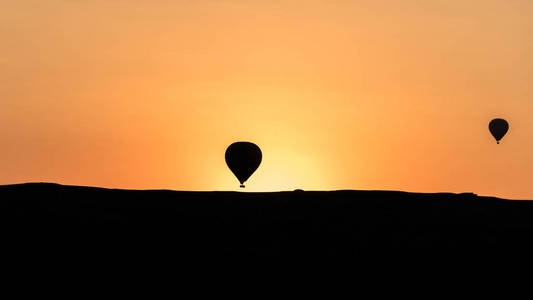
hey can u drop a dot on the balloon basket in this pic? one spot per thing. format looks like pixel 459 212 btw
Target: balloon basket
pixel 242 186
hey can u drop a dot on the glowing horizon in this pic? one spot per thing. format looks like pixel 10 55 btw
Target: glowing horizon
pixel 373 95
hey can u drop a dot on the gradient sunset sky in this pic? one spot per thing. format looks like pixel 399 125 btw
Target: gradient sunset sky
pixel 376 94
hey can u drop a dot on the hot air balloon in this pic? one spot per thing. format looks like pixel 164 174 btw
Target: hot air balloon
pixel 243 158
pixel 498 128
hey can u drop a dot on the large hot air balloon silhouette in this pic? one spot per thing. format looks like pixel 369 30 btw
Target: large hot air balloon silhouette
pixel 498 128
pixel 243 158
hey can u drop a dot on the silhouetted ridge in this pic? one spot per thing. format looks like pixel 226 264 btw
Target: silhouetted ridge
pixel 204 224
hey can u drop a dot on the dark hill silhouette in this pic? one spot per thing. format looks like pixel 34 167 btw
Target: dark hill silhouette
pixel 58 220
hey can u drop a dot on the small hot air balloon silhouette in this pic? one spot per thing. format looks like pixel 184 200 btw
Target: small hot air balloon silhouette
pixel 498 128
pixel 243 158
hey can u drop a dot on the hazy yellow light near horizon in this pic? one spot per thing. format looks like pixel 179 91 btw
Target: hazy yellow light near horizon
pixel 338 94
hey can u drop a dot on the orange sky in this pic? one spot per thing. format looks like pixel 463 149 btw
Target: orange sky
pixel 375 94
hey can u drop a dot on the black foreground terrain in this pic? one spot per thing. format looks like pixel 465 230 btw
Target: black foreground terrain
pixel 59 221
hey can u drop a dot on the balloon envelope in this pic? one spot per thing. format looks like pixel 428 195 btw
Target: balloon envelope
pixel 243 158
pixel 498 128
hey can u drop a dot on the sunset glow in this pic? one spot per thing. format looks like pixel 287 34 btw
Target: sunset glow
pixel 375 94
